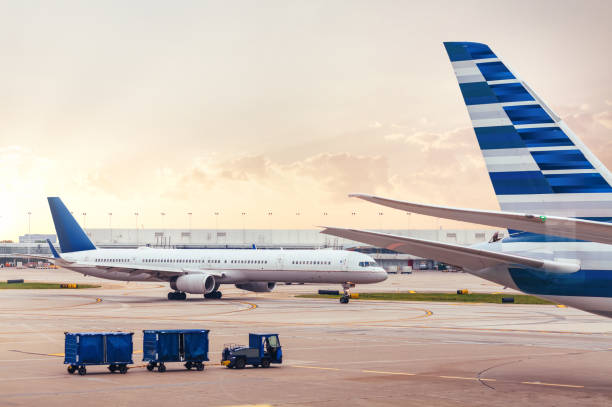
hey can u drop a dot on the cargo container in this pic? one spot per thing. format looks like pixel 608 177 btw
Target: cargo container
pixel 98 348
pixel 175 345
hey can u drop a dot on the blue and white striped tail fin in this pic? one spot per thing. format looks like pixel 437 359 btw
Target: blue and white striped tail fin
pixel 535 162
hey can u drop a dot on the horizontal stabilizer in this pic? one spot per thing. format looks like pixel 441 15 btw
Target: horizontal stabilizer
pixel 469 258
pixel 572 228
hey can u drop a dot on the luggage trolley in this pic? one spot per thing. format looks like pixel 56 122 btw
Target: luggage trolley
pixel 175 345
pixel 98 348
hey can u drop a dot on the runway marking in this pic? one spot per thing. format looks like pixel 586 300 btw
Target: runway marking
pixel 554 384
pixel 250 304
pixel 316 367
pixel 468 378
pixel 394 373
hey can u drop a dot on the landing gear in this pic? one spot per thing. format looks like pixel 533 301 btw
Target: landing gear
pixel 214 294
pixel 177 295
pixel 346 292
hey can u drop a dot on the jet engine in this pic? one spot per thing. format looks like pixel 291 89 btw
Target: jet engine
pixel 194 283
pixel 258 287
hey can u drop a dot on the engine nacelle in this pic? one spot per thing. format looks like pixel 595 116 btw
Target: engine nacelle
pixel 194 283
pixel 258 287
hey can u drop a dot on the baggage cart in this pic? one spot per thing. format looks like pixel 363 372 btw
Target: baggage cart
pixel 175 345
pixel 98 348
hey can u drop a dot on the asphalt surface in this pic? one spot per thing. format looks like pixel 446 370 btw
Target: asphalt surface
pixel 362 353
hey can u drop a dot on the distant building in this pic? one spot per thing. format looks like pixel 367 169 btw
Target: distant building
pixel 37 238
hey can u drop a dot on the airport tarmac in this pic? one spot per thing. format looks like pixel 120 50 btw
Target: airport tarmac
pixel 370 353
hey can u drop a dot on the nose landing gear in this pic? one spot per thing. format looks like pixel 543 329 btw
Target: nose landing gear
pixel 346 295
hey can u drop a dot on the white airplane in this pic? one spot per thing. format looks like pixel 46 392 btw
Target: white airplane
pixel 202 271
pixel 556 196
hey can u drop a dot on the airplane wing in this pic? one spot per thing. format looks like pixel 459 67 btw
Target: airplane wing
pixel 572 228
pixel 469 258
pixel 163 273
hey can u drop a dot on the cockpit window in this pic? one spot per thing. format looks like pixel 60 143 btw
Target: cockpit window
pixel 367 264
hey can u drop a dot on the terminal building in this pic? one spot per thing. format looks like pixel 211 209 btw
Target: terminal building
pixel 287 239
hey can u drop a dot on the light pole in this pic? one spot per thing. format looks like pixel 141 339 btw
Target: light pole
pixel 163 229
pixel 110 225
pixel 270 216
pixel 217 227
pixel 29 222
pixel 189 224
pixel 136 215
pixel 380 214
pixel 243 215
pixel 85 220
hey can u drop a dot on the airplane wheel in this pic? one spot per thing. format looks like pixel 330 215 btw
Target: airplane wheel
pixel 170 296
pixel 182 296
pixel 240 363
pixel 218 295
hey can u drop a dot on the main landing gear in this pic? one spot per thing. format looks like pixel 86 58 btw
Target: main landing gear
pixel 177 295
pixel 346 292
pixel 214 294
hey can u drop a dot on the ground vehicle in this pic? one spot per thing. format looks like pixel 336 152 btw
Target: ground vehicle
pixel 263 350
pixel 175 345
pixel 98 348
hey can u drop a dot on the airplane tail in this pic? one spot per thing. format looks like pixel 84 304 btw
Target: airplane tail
pixel 535 162
pixel 70 235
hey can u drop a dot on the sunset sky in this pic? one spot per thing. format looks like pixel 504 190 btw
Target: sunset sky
pixel 271 106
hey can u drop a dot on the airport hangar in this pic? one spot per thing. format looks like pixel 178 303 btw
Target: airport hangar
pixel 288 239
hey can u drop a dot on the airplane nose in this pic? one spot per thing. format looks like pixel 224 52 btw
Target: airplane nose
pixel 382 274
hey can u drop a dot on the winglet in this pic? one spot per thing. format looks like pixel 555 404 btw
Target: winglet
pixel 53 251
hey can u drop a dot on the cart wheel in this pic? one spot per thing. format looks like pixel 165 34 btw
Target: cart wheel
pixel 255 365
pixel 240 363
pixel 82 370
pixel 123 369
pixel 161 368
pixel 265 363
pixel 71 369
pixel 112 368
pixel 188 365
pixel 200 366
pixel 150 367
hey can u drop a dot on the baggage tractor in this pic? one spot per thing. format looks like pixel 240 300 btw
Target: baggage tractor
pixel 98 348
pixel 175 345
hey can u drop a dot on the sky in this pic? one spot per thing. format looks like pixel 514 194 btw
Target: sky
pixel 271 108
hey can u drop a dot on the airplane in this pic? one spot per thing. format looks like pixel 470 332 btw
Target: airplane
pixel 555 195
pixel 202 271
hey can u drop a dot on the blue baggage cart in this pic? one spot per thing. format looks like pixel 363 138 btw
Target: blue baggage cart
pixel 175 345
pixel 98 348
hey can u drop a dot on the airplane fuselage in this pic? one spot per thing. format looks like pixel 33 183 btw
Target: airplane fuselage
pixel 588 289
pixel 231 265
